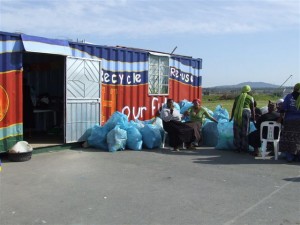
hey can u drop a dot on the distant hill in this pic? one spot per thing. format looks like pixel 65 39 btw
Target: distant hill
pixel 254 85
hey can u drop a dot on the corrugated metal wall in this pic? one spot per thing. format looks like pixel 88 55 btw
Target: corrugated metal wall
pixel 11 111
pixel 122 90
pixel 124 82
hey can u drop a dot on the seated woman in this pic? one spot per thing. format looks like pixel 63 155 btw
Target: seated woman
pixel 257 110
pixel 178 132
pixel 197 115
pixel 254 137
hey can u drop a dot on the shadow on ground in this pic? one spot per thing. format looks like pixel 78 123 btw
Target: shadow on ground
pixel 207 155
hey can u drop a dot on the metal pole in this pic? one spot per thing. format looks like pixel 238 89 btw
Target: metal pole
pixel 285 81
pixel 173 50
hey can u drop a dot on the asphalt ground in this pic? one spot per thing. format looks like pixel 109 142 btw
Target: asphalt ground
pixel 203 186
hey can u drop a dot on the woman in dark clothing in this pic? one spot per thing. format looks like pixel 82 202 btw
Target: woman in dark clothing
pixel 290 135
pixel 178 132
pixel 257 110
pixel 254 137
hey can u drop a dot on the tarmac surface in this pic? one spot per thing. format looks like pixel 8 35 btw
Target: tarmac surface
pixel 161 187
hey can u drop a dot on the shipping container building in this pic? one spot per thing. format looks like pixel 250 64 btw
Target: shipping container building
pixel 74 86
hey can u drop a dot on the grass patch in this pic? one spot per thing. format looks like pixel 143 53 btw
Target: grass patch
pixel 212 101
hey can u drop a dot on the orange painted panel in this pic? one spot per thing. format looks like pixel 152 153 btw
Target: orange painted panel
pixel 11 98
pixel 4 102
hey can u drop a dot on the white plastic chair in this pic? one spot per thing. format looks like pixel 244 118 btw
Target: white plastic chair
pixel 270 132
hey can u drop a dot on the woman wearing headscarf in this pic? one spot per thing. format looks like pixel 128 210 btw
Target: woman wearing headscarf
pixel 197 115
pixel 178 132
pixel 254 137
pixel 290 135
pixel 242 111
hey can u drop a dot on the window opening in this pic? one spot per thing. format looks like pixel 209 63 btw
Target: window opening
pixel 158 75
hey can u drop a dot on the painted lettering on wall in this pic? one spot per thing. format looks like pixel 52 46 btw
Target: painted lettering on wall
pixel 138 112
pixel 126 78
pixel 181 76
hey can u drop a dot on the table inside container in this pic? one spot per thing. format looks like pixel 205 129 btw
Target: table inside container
pixel 46 111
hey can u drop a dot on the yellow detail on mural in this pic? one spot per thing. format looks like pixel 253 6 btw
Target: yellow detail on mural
pixel 4 103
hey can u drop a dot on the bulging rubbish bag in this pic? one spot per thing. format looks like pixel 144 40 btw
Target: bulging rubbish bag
pixel 117 118
pixel 225 139
pixel 139 124
pixel 97 139
pixel 210 133
pixel 116 139
pixel 221 113
pixel 158 122
pixel 151 136
pixel 185 105
pixel 134 138
pixel 21 147
pixel 252 127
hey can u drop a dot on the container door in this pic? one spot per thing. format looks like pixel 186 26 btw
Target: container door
pixel 83 97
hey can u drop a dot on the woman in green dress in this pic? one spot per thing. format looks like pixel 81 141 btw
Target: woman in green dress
pixel 243 111
pixel 198 115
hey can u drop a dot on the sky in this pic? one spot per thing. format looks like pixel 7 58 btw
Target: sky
pixel 238 40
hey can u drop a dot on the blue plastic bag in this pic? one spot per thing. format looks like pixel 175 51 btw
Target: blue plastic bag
pixel 252 127
pixel 151 136
pixel 116 139
pixel 221 113
pixel 158 122
pixel 134 138
pixel 138 123
pixel 225 139
pixel 97 139
pixel 210 133
pixel 117 118
pixel 185 105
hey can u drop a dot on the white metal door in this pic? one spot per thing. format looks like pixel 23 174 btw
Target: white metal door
pixel 83 97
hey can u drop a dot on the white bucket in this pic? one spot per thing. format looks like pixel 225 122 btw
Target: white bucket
pixel 20 147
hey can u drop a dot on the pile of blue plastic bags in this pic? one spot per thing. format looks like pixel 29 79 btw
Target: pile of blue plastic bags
pixel 119 134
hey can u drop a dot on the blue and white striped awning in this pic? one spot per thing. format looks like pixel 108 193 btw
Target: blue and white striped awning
pixel 45 45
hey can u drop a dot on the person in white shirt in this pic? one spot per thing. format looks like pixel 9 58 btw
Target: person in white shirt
pixel 178 132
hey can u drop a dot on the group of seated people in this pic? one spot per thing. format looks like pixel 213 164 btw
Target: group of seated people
pixel 188 132
pixel 286 111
